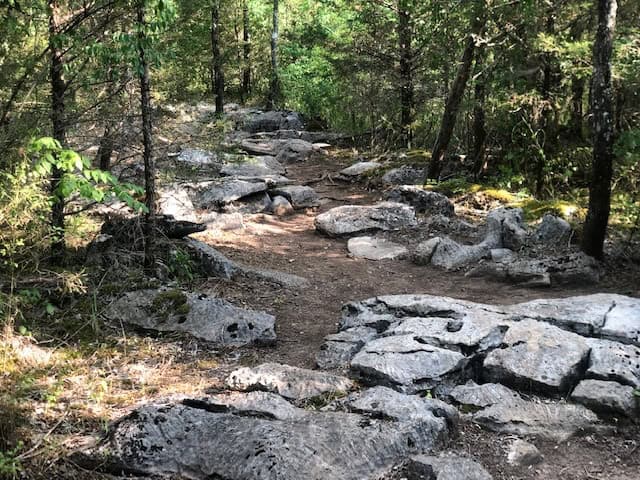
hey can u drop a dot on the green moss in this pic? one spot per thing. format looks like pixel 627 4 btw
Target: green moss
pixel 536 209
pixel 170 302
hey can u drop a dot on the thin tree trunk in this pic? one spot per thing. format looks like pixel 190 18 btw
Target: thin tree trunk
pixel 456 93
pixel 595 227
pixel 218 74
pixel 479 128
pixel 577 112
pixel 58 90
pixel 246 51
pixel 406 81
pixel 147 140
pixel 105 150
pixel 274 90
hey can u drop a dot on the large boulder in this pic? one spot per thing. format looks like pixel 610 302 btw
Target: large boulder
pixel 553 231
pixel 213 194
pixel 272 121
pixel 614 361
pixel 254 436
pixel 607 397
pixel 423 201
pixel 351 219
pixel 289 382
pixel 200 315
pixel 294 151
pixel 405 175
pixel 299 196
pixel 446 253
pixel 539 357
pixel 505 228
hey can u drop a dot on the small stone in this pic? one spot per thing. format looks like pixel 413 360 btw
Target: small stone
pixel 523 454
pixel 281 207
pixel 606 397
pixel 375 248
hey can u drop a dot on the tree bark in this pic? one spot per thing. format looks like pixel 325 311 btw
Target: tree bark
pixel 456 93
pixel 218 73
pixel 405 38
pixel 577 111
pixel 58 120
pixel 602 106
pixel 147 138
pixel 246 52
pixel 479 128
pixel 274 90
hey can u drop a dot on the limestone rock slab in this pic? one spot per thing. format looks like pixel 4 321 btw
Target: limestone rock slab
pixel 606 397
pixel 372 248
pixel 351 219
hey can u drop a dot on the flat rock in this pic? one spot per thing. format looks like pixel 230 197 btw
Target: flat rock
pixel 222 221
pixel 405 364
pixel 614 361
pixel 248 166
pixel 289 382
pixel 272 121
pixel 299 196
pixel 375 248
pixel 174 200
pixel 405 175
pixel 448 466
pixel 338 349
pixel 607 397
pixel 244 439
pixel 423 201
pixel 351 219
pixel 214 263
pixel 359 169
pixel 553 421
pixel 226 190
pixel 485 395
pixel 261 146
pixel 295 150
pixel 194 157
pixel 209 318
pixel 538 356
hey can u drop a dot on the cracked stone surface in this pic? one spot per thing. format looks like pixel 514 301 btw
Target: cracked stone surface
pixel 289 382
pixel 614 361
pixel 352 219
pixel 248 436
pixel 606 397
pixel 209 318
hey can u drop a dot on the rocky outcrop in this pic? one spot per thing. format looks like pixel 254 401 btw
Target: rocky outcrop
pixel 358 170
pixel 199 315
pixel 423 201
pixel 272 121
pixel 352 219
pixel 405 175
pixel 299 196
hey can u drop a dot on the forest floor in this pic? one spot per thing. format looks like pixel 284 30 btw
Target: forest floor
pixel 105 379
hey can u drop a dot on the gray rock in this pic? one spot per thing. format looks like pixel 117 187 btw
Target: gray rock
pixel 444 467
pixel 338 349
pixel 450 255
pixel 424 251
pixel 391 404
pixel 281 207
pixel 222 221
pixel 294 151
pixel 405 364
pixel 298 196
pixel 359 169
pixel 247 166
pixel 194 157
pixel 174 200
pixel 553 231
pixel 352 219
pixel 261 147
pixel 404 175
pixel 423 201
pixel 214 263
pixel 247 441
pixel 272 121
pixel 523 454
pixel 622 322
pixel 250 205
pixel 485 395
pixel 614 361
pixel 502 255
pixel 375 248
pixel 553 421
pixel 539 357
pixel 505 228
pixel 606 397
pixel 211 319
pixel 218 192
pixel 289 382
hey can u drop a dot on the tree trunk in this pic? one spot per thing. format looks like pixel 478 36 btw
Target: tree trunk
pixel 218 74
pixel 147 139
pixel 274 90
pixel 577 112
pixel 479 127
pixel 456 93
pixel 405 38
pixel 246 51
pixel 105 150
pixel 58 90
pixel 595 227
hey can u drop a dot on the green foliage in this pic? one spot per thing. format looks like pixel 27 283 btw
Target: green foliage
pixel 181 265
pixel 10 464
